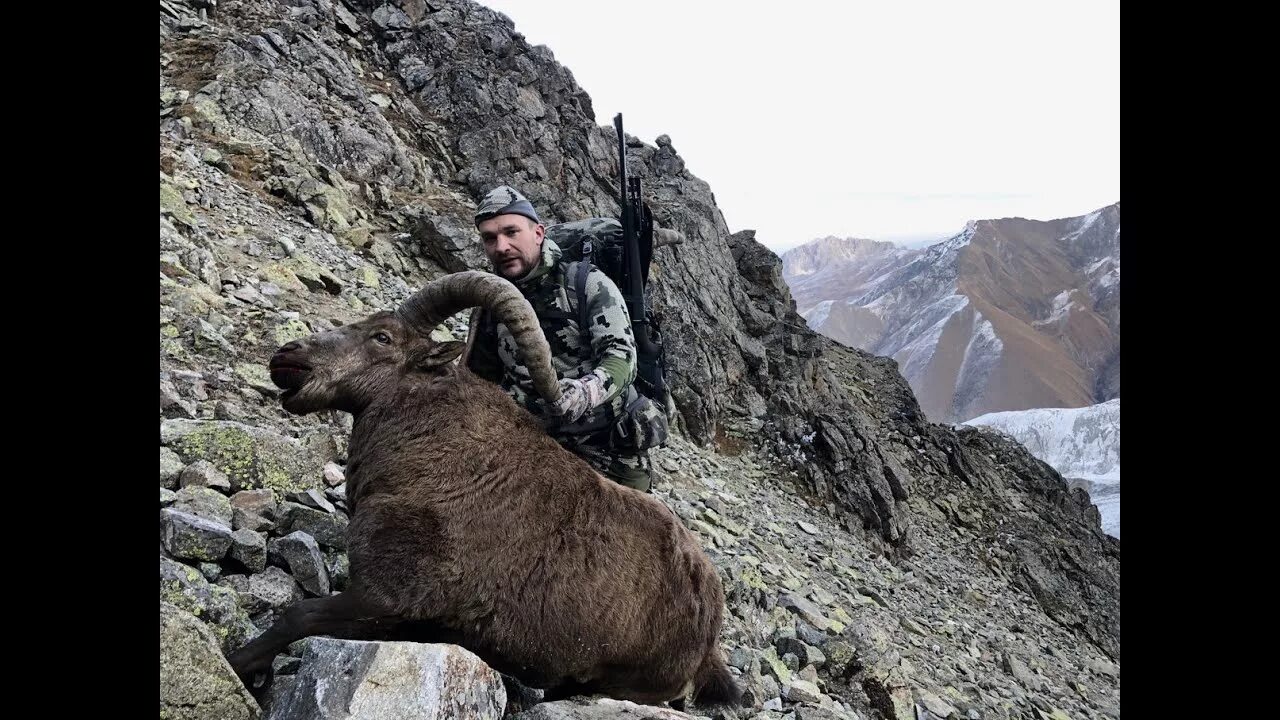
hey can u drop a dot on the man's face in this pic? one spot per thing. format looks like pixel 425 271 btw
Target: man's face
pixel 513 244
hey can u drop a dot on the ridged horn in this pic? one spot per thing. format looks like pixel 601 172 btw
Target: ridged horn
pixel 450 294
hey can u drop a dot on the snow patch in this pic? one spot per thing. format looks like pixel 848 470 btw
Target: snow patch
pixel 1083 444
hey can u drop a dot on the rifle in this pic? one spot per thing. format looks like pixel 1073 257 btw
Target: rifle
pixel 637 225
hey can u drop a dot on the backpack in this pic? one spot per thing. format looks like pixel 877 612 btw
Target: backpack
pixel 599 242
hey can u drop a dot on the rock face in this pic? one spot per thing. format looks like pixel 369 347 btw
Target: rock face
pixel 320 160
pixel 1081 443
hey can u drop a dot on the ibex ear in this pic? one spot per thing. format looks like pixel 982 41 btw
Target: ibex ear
pixel 437 354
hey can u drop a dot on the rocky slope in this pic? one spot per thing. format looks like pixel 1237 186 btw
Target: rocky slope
pixel 1081 443
pixel 320 160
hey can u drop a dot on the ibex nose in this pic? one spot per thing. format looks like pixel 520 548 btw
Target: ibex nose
pixel 281 355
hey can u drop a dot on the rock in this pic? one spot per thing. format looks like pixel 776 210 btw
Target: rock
pixel 346 20
pixel 805 609
pixel 599 709
pixel 818 712
pixel 1019 670
pixel 821 596
pixel 337 495
pixel 196 682
pixel 249 548
pixel 313 276
pixel 889 692
pixel 172 202
pixel 289 330
pixel 839 655
pixel 190 537
pixel 204 502
pixel 313 499
pixel 256 502
pixel 301 554
pixel 244 520
pixel 256 376
pixel 271 589
pixel 811 635
pixel 450 244
pixel 770 687
pixel 251 457
pixel 773 665
pixel 334 475
pixel 202 473
pixel 740 657
pixel 347 679
pixel 798 690
pixel 210 571
pixel 167 497
pixel 214 158
pixel 936 705
pixel 286 664
pixel 227 410
pixel 912 626
pixel 328 529
pixel 339 567
pixel 389 19
pixel 170 468
pixel 1104 667
pixel 185 587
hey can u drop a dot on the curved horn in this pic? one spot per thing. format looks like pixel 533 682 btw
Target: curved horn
pixel 443 297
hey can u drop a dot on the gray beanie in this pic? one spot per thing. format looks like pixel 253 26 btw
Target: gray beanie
pixel 504 200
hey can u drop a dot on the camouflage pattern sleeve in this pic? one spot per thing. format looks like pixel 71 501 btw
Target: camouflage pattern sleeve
pixel 613 346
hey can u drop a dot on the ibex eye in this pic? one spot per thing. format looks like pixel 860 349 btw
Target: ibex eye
pixel 383 338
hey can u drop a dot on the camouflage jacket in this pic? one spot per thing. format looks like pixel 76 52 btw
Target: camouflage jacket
pixel 549 288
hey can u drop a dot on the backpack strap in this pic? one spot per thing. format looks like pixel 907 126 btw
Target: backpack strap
pixel 580 283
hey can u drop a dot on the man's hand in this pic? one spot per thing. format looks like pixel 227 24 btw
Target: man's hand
pixel 576 398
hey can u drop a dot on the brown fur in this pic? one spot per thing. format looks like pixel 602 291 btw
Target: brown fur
pixel 468 516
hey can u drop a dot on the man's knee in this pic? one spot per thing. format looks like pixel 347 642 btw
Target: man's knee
pixel 636 478
pixel 632 471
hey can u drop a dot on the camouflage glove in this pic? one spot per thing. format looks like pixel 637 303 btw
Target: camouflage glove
pixel 577 397
pixel 643 425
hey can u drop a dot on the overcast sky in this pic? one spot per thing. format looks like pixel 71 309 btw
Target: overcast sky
pixel 889 120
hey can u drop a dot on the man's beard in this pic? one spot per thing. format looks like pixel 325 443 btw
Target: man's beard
pixel 512 268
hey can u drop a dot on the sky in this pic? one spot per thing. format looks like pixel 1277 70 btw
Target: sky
pixel 886 120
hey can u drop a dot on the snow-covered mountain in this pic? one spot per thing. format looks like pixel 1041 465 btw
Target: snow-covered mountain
pixel 1009 314
pixel 1083 444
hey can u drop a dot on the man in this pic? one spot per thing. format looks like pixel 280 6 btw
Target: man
pixel 596 374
